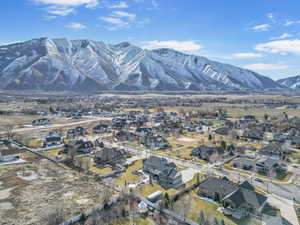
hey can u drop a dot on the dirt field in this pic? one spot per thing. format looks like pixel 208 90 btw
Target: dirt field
pixel 28 192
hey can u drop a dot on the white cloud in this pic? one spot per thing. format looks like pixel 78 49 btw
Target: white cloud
pixel 60 11
pixel 280 47
pixel 262 66
pixel 283 36
pixel 65 7
pixel 116 23
pixel 271 17
pixel 119 5
pixel 130 16
pixel 154 3
pixel 291 22
pixel 70 3
pixel 245 55
pixel 262 27
pixel 76 26
pixel 177 45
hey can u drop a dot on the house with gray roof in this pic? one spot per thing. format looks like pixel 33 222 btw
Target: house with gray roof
pixel 110 156
pixel 270 167
pixel 234 197
pixel 205 152
pixel 154 142
pixel 244 164
pixel 162 172
pixel 275 150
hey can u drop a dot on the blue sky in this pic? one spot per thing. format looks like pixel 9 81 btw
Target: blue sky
pixel 262 35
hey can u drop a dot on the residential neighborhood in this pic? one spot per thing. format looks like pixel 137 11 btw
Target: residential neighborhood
pixel 244 167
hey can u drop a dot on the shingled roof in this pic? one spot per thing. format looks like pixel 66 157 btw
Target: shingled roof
pixel 243 195
pixel 221 186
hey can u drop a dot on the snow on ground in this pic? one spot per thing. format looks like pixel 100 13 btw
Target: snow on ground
pixel 27 175
pixel 186 139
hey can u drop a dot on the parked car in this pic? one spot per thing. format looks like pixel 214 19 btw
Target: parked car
pixel 258 180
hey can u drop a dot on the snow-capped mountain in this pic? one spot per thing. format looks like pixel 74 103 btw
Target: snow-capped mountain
pixel 85 65
pixel 291 82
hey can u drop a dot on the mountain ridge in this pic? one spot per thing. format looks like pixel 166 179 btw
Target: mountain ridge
pixel 292 82
pixel 87 65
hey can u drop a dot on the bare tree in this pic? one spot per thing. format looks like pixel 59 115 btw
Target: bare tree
pixel 71 152
pixel 183 206
pixel 7 132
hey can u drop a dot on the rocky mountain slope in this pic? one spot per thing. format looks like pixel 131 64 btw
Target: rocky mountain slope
pixel 85 65
pixel 291 82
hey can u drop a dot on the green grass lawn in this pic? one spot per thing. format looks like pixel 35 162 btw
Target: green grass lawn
pixel 209 209
pixel 128 176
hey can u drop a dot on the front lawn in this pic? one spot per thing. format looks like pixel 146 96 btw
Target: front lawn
pixel 128 176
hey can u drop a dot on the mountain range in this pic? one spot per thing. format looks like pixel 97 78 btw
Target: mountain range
pixel 86 65
pixel 290 82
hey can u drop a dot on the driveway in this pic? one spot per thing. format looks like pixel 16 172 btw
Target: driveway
pixel 286 208
pixel 188 174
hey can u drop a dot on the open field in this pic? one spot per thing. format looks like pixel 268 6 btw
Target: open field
pixel 139 221
pixel 233 110
pixel 28 192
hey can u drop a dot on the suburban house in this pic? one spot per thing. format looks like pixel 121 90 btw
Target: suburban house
pixel 278 137
pixel 126 136
pixel 79 146
pixel 270 167
pixel 101 128
pixel 206 152
pixel 244 164
pixel 119 123
pixel 247 119
pixel 41 122
pixel 142 131
pixel 237 199
pixel 275 150
pixel 110 156
pixel 155 142
pixel 162 172
pixel 76 132
pixel 253 133
pixel 53 139
pixel 8 154
pixel 222 131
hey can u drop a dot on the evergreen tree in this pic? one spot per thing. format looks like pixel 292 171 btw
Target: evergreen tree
pixel 222 222
pixel 202 218
pixel 215 221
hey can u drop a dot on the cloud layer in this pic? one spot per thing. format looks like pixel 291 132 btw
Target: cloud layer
pixel 280 47
pixel 263 66
pixel 173 44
